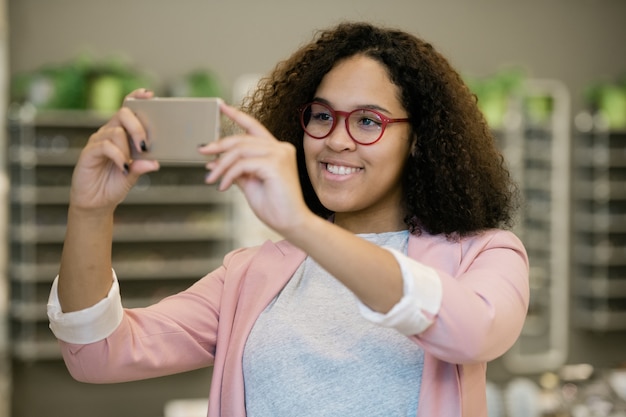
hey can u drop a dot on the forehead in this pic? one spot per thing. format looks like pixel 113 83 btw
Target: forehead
pixel 359 81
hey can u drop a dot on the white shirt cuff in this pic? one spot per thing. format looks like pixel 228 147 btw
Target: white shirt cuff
pixel 420 303
pixel 90 324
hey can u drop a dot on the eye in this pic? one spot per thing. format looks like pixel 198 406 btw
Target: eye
pixel 367 120
pixel 321 114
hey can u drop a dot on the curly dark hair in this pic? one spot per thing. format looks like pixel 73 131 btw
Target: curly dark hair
pixel 455 181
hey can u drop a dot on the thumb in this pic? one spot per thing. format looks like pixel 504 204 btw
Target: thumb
pixel 140 167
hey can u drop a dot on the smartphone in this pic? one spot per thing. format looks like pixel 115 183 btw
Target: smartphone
pixel 176 126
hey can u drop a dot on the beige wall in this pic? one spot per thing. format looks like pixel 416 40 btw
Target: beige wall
pixel 576 41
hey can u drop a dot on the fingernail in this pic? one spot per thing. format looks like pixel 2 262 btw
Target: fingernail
pixel 126 169
pixel 143 146
pixel 201 145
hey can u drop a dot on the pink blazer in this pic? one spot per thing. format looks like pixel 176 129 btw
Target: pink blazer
pixel 485 299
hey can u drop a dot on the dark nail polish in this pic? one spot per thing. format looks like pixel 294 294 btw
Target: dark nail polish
pixel 143 146
pixel 126 169
pixel 201 145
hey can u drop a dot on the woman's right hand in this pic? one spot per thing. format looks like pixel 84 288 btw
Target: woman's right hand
pixel 105 173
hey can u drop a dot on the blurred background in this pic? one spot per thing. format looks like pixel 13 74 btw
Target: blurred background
pixel 550 77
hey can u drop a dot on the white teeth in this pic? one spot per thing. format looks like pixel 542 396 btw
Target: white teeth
pixel 341 170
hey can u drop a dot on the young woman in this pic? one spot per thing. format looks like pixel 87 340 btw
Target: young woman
pixel 396 282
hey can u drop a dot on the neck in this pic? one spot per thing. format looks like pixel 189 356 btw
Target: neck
pixel 357 224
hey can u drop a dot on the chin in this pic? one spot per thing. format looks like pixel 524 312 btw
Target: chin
pixel 336 207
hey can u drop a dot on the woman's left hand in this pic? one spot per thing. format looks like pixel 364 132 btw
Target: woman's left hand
pixel 264 168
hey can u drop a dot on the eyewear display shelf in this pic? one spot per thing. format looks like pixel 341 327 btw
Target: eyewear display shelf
pixel 169 232
pixel 537 151
pixel 599 225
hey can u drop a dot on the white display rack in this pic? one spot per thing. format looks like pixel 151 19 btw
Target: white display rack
pixel 538 154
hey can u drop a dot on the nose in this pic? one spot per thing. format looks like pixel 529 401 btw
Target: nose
pixel 339 139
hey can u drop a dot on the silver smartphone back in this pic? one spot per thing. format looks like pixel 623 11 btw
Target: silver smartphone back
pixel 176 126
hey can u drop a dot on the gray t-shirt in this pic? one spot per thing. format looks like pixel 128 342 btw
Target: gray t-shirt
pixel 311 353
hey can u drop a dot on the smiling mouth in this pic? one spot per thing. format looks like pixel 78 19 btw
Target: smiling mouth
pixel 341 170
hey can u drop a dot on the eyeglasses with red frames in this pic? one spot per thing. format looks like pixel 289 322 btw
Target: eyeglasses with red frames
pixel 365 126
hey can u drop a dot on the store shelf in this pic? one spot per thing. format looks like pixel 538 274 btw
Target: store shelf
pixel 599 249
pixel 130 232
pixel 600 320
pixel 29 351
pixel 169 232
pixel 598 286
pixel 143 268
pixel 184 194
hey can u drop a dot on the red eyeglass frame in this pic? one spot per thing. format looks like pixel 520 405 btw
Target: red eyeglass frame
pixel 346 115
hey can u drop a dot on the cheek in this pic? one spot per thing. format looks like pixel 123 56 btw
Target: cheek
pixel 395 164
pixel 306 146
pixel 311 148
pixel 311 145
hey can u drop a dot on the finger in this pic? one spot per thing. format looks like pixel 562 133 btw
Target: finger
pixel 249 167
pixel 245 121
pixel 218 166
pixel 234 149
pixel 131 123
pixel 134 128
pixel 142 166
pixel 229 143
pixel 126 118
pixel 115 134
pixel 251 144
pixel 140 93
pixel 107 150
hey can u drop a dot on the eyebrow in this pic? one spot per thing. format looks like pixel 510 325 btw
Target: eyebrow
pixel 361 106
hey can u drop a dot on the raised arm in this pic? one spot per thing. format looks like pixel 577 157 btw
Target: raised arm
pixel 103 176
pixel 265 170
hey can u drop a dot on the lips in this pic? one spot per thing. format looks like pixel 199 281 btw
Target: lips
pixel 341 170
